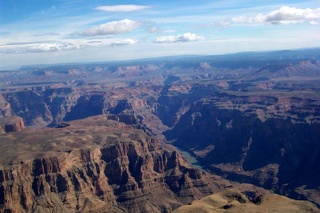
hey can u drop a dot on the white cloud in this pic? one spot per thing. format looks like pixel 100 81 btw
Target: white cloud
pixel 37 47
pixel 42 47
pixel 186 37
pixel 110 42
pixel 285 15
pixel 53 47
pixel 121 8
pixel 114 27
pixel 47 34
pixel 123 42
pixel 154 29
pixel 314 22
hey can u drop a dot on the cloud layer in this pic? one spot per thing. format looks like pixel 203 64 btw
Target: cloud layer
pixel 121 8
pixel 114 27
pixel 42 47
pixel 186 37
pixel 285 15
pixel 30 47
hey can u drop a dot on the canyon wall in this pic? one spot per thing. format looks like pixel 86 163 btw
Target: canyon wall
pixel 278 154
pixel 249 119
pixel 96 165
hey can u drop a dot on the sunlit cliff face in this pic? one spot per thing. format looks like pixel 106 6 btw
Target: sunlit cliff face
pixel 96 164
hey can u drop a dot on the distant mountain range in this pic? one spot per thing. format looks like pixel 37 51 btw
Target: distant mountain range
pixel 261 55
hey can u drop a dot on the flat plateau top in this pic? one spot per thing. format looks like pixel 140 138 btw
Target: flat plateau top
pixel 93 132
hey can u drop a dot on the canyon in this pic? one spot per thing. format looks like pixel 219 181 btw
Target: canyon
pixel 249 118
pixel 96 165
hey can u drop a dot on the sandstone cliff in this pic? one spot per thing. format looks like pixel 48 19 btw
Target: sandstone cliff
pixel 11 124
pixel 95 165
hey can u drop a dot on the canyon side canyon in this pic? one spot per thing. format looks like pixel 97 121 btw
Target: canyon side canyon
pixel 102 137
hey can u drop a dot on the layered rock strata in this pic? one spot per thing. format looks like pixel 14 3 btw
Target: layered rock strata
pixel 276 153
pixel 95 165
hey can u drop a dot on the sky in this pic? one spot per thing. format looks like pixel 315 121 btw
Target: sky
pixel 66 31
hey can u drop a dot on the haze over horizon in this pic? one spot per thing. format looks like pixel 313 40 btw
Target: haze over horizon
pixel 57 31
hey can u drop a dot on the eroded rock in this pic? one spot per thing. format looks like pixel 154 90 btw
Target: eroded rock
pixel 96 165
pixel 11 124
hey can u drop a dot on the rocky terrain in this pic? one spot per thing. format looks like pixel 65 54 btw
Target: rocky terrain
pixel 238 200
pixel 101 165
pixel 251 117
pixel 279 151
pixel 96 165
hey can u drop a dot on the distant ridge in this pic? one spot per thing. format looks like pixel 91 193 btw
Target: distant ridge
pixel 261 55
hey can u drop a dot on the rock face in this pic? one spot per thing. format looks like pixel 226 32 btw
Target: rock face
pixel 96 165
pixel 11 124
pixel 241 200
pixel 275 153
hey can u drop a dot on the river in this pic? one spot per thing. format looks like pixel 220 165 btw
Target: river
pixel 192 160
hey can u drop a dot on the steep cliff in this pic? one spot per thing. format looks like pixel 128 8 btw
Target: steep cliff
pixel 5 108
pixel 95 165
pixel 276 153
pixel 11 124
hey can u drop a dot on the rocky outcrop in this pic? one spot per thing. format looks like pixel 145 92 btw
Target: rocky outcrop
pixel 275 153
pixel 5 107
pixel 35 113
pixel 11 124
pixel 128 119
pixel 96 165
pixel 247 199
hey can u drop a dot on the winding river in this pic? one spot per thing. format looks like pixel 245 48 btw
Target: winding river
pixel 192 160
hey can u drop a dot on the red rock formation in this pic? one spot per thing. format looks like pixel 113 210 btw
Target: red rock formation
pixel 97 169
pixel 11 124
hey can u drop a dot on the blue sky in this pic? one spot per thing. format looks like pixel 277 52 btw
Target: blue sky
pixel 58 31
